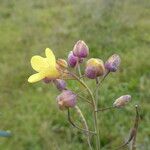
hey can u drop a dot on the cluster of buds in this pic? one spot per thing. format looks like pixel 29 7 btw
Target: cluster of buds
pixel 79 52
pixel 95 68
pixel 56 71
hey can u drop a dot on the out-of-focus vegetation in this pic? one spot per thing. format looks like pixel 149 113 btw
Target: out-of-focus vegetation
pixel 27 27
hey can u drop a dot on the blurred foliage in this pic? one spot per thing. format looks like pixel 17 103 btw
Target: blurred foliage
pixel 27 27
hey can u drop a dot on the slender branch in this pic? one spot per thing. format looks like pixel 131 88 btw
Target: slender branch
pixel 85 99
pixel 79 70
pixel 74 125
pixel 82 83
pixel 133 132
pixel 97 80
pixel 85 125
pixel 82 91
pixel 95 108
pixel 97 86
pixel 128 141
pixel 136 124
pixel 81 77
pixel 97 122
pixel 103 109
pixel 88 101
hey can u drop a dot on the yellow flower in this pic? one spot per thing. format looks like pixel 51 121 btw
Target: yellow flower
pixel 46 67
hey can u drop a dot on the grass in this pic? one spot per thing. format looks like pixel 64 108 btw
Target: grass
pixel 30 111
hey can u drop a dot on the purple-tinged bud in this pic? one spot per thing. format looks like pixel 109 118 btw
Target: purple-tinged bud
pixel 66 99
pixel 94 68
pixel 122 101
pixel 113 62
pixel 91 72
pixel 80 49
pixel 72 59
pixel 60 84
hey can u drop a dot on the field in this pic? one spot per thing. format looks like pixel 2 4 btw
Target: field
pixel 30 112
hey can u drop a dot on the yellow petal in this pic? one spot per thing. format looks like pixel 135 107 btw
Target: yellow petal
pixel 35 77
pixel 39 63
pixel 50 57
pixel 51 73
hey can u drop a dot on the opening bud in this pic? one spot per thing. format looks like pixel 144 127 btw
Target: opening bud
pixel 94 68
pixel 60 84
pixel 62 63
pixel 122 101
pixel 72 59
pixel 66 99
pixel 113 62
pixel 80 49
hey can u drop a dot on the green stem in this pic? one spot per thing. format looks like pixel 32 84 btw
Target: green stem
pixel 85 125
pixel 96 107
pixel 133 133
pixel 107 108
pixel 99 83
pixel 79 128
pixel 136 124
pixel 95 113
pixel 79 70
pixel 88 101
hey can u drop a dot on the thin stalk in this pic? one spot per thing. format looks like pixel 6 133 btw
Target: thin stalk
pixel 97 123
pixel 136 124
pixel 133 133
pixel 84 124
pixel 88 101
pixel 79 128
pixel 95 113
pixel 97 86
pixel 79 92
pixel 107 108
pixel 95 108
pixel 79 70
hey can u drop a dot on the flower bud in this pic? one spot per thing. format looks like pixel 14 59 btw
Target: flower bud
pixel 72 59
pixel 62 63
pixel 60 84
pixel 66 99
pixel 94 68
pixel 122 101
pixel 80 49
pixel 113 62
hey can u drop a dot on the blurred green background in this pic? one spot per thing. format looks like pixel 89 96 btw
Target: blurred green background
pixel 27 27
